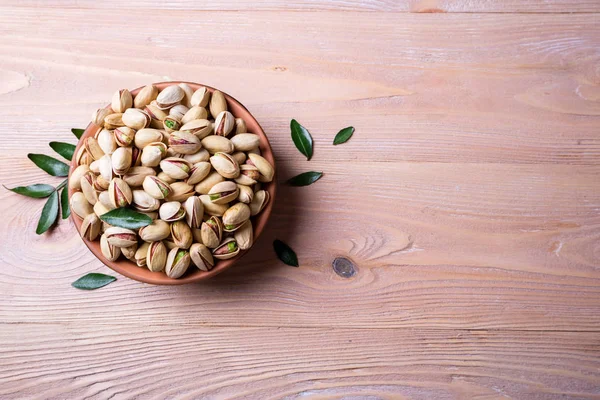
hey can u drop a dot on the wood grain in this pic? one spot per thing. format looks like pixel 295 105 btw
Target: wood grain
pixel 468 199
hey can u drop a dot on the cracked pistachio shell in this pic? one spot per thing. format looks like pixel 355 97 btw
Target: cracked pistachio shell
pixel 136 157
pixel 240 126
pixel 223 192
pixel 245 194
pixel 75 178
pixel 124 136
pixel 109 251
pixel 141 253
pixel 79 205
pixel 153 153
pixel 239 157
pixel 180 191
pixel 100 209
pixel 100 183
pixel 211 232
pixel 184 143
pixel 224 123
pixel 144 137
pixel 106 141
pixel 156 114
pixel 248 175
pixel 83 157
pixel 156 256
pixel 169 97
pixel 121 160
pixel 204 186
pixel 181 234
pixel 136 175
pixel 178 261
pixel 245 141
pixel 171 211
pixel 166 178
pixel 200 97
pixel 211 208
pixel 244 235
pixel 235 216
pixel 260 200
pixel 194 210
pixel 217 144
pixel 225 165
pixel 264 167
pixel 104 198
pixel 171 124
pixel 87 187
pixel 201 257
pixel 93 148
pixel 121 101
pixel 194 113
pixel 218 103
pixel 129 252
pixel 176 168
pixel 156 187
pixel 188 93
pixel 156 231
pixel 99 115
pixel 90 227
pixel 120 237
pixel 119 193
pixel 113 121
pixel 226 250
pixel 105 167
pixel 199 127
pixel 142 201
pixel 136 119
pixel 145 96
pixel 178 111
pixel 200 156
pixel 198 172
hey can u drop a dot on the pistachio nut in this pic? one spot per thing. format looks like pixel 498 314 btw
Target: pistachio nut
pixel 156 231
pixel 180 191
pixel 156 187
pixel 240 126
pixel 108 250
pixel 120 193
pixel 260 200
pixel 83 157
pixel 200 156
pixel 105 167
pixel 153 215
pixel 254 151
pixel 226 250
pixel 193 113
pixel 200 97
pixel 141 253
pixel 104 198
pixel 178 111
pixel 184 143
pixel 239 157
pixel 135 176
pixel 87 187
pixel 178 262
pixel 218 103
pixel 223 192
pixel 124 136
pixel 90 227
pixel 211 208
pixel 156 256
pixel 79 205
pixel 166 178
pixel 198 172
pixel 153 153
pixel 246 194
pixel 171 124
pixel 194 210
pixel 99 115
pixel 245 141
pixel 156 114
pixel 199 127
pixel 235 216
pixel 136 157
pixel 136 119
pixel 75 178
pixel 144 137
pixel 176 168
pixel 120 237
pixel 225 165
pixel 113 121
pixel 188 93
pixel 169 243
pixel 181 234
pixel 248 175
pixel 201 257
pixel 145 96
pixel 100 209
pixel 171 211
pixel 217 144
pixel 100 183
pixel 264 167
pixel 129 252
pixel 95 167
pixel 121 101
pixel 204 186
pixel 142 201
pixel 211 232
pixel 106 141
pixel 93 148
pixel 121 160
pixel 169 97
pixel 224 123
pixel 244 235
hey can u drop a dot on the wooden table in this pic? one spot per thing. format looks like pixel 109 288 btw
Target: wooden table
pixel 468 201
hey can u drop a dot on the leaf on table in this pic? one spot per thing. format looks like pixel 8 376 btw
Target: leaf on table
pixel 285 253
pixel 126 218
pixel 49 164
pixel 37 191
pixel 305 178
pixel 343 135
pixel 77 132
pixel 64 149
pixel 49 214
pixel 64 203
pixel 302 139
pixel 93 281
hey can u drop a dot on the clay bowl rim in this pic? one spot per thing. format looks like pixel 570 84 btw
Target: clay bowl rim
pixel 128 268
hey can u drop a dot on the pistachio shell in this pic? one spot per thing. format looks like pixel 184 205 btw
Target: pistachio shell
pixel 245 194
pixel 180 191
pixel 198 172
pixel 157 230
pixel 218 103
pixel 99 115
pixel 184 143
pixel 171 124
pixel 93 148
pixel 235 216
pixel 75 178
pixel 120 193
pixel 141 253
pixel 200 97
pixel 90 227
pixel 176 168
pixel 121 160
pixel 239 157
pixel 240 126
pixel 171 211
pixel 244 235
pixel 193 113
pixel 188 93
pixel 136 119
pixel 245 141
pixel 260 200
pixel 211 232
pixel 225 165
pixel 109 251
pixel 199 127
pixel 224 123
pixel 178 111
pixel 156 256
pixel 144 137
pixel 112 121
pixel 104 198
pixel 226 250
pixel 170 96
pixel 79 205
pixel 105 167
pixel 83 157
pixel 264 167
pixel 217 144
pixel 211 208
pixel 145 96
pixel 204 186
pixel 142 201
pixel 200 156
pixel 106 141
pixel 223 192
pixel 120 237
pixel 121 101
pixel 181 234
pixel 156 114
pixel 194 210
pixel 87 187
pixel 201 257
pixel 100 209
pixel 156 187
pixel 166 178
pixel 153 153
pixel 178 261
pixel 136 175
pixel 129 252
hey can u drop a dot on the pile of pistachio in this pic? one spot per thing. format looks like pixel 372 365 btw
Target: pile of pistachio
pixel 180 157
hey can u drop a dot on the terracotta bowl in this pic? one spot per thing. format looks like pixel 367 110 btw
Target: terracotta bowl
pixel 130 269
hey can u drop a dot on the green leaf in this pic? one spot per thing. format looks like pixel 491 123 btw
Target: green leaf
pixel 93 281
pixel 64 149
pixel 343 135
pixel 126 218
pixel 49 214
pixel 302 139
pixel 49 164
pixel 285 253
pixel 77 132
pixel 64 203
pixel 305 178
pixel 37 191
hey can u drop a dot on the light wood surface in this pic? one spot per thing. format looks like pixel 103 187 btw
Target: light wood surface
pixel 468 199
